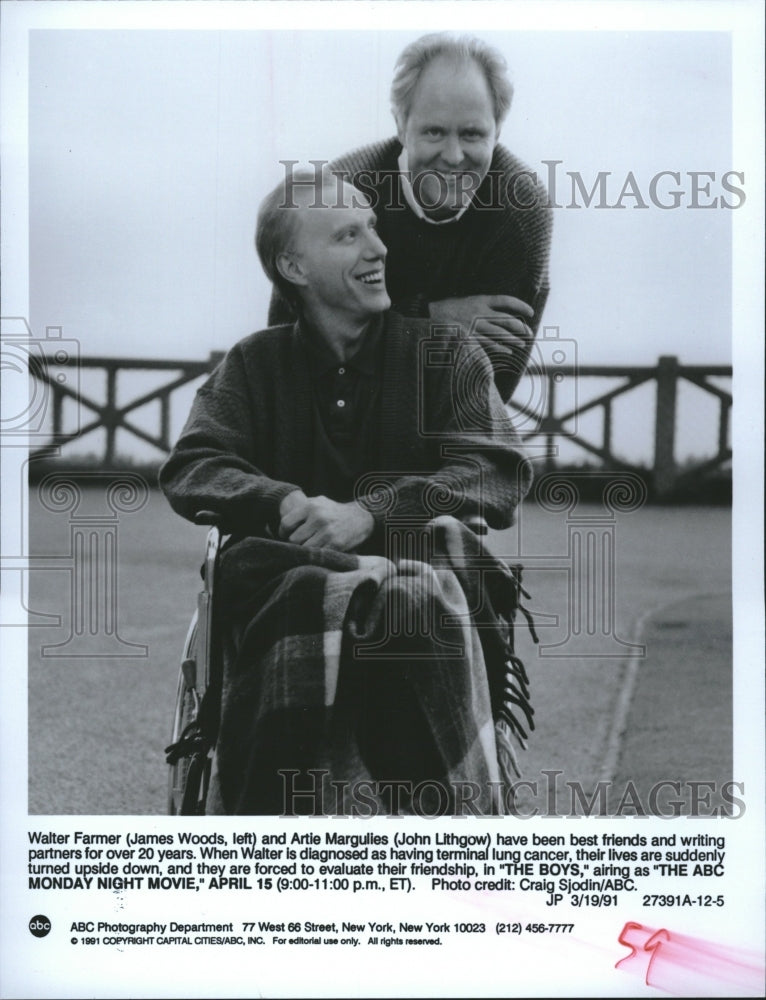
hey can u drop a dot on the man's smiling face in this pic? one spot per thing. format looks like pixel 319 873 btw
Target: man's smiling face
pixel 340 255
pixel 449 134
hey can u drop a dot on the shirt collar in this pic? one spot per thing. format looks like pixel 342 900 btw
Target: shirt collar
pixel 409 195
pixel 321 359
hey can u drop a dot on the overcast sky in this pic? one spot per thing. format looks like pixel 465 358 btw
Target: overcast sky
pixel 150 151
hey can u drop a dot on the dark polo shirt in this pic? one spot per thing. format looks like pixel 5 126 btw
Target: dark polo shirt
pixel 346 403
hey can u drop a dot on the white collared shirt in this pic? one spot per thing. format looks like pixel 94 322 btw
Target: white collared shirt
pixel 409 195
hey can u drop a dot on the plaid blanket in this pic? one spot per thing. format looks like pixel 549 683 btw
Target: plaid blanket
pixel 365 685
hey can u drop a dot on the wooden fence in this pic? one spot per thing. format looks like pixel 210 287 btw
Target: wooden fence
pixel 554 415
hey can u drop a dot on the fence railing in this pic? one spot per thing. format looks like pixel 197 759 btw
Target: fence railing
pixel 556 423
pixel 107 415
pixel 553 416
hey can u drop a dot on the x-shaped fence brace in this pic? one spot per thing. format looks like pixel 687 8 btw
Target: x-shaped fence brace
pixel 108 414
pixel 536 421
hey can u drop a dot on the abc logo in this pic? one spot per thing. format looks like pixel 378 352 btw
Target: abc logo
pixel 40 925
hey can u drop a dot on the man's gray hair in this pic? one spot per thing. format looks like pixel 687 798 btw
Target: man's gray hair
pixel 414 59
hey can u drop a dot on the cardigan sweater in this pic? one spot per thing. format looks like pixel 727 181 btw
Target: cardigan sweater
pixel 499 246
pixel 446 443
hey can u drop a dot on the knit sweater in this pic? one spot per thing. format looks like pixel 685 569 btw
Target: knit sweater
pixel 446 443
pixel 497 247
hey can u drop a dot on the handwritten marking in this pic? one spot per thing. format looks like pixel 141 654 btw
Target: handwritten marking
pixel 684 965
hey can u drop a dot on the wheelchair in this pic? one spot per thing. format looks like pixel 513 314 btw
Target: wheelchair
pixel 198 692
pixel 189 754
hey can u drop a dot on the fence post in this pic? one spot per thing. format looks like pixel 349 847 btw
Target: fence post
pixel 551 449
pixel 665 425
pixel 110 424
pixel 165 419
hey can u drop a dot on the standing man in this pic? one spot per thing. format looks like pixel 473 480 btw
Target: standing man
pixel 466 224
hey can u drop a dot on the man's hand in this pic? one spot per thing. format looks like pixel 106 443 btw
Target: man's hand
pixel 500 317
pixel 319 522
pixel 291 503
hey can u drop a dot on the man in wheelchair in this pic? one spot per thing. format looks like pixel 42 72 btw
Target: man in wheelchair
pixel 367 633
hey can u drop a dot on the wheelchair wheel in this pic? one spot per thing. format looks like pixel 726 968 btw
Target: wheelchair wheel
pixel 188 776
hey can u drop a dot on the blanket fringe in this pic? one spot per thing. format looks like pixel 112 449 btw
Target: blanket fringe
pixel 513 704
pixel 506 756
pixel 191 742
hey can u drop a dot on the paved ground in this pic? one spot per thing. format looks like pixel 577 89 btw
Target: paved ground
pixel 605 709
pixel 675 692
